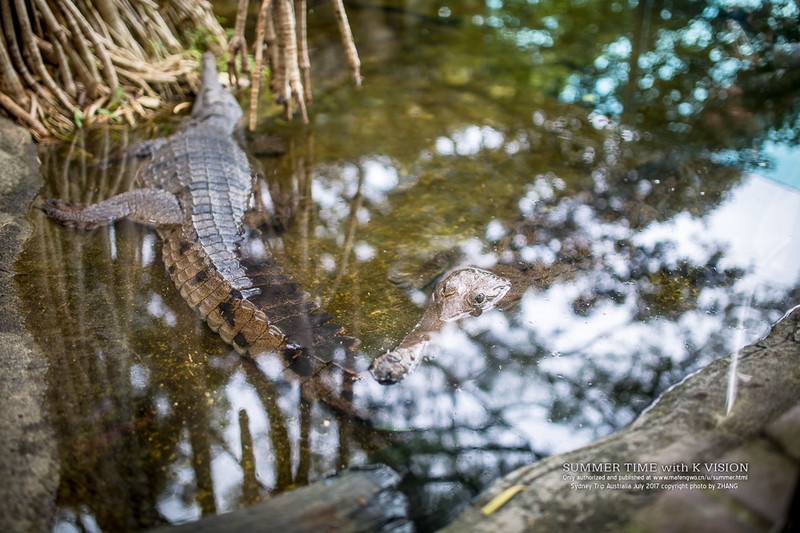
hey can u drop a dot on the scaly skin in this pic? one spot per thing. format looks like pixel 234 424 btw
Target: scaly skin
pixel 465 292
pixel 215 299
pixel 194 188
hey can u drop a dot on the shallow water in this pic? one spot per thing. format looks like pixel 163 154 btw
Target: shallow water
pixel 484 133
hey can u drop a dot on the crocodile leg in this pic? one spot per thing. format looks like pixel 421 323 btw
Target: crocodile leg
pixel 149 206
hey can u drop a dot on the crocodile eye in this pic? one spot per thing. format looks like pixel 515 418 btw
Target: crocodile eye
pixel 479 298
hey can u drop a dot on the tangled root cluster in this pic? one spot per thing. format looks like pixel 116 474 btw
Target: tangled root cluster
pixel 65 63
pixel 281 45
pixel 68 62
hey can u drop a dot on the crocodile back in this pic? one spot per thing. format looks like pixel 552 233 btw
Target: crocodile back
pixel 210 176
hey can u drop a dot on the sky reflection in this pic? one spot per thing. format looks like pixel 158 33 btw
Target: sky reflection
pixel 648 193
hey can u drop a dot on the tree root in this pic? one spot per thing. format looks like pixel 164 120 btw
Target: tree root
pixel 255 76
pixel 59 58
pixel 29 120
pixel 347 41
pixel 237 46
pixel 281 27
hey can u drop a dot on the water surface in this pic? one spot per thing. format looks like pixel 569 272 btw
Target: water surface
pixel 656 192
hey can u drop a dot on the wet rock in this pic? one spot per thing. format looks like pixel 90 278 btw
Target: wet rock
pixel 769 486
pixel 27 449
pixel 362 499
pixel 785 432
pixel 730 471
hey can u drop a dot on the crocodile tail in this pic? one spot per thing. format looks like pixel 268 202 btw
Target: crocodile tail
pixel 279 319
pixel 314 348
pixel 309 331
pixel 221 305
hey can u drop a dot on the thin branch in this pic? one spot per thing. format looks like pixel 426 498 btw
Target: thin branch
pixel 287 45
pixel 302 48
pixel 278 83
pixel 162 28
pixel 255 76
pixel 36 127
pixel 117 27
pixel 271 41
pixel 238 45
pixel 99 47
pixel 66 73
pixel 64 48
pixel 31 50
pixel 14 51
pixel 11 79
pixel 87 59
pixel 347 40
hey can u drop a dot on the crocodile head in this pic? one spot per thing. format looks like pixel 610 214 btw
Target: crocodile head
pixel 469 291
pixel 215 106
pixel 466 292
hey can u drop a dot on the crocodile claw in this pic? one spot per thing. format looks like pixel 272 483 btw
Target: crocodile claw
pixel 67 214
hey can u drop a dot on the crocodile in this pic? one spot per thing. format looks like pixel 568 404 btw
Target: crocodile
pixel 194 187
pixel 465 292
pixel 469 291
pixel 462 293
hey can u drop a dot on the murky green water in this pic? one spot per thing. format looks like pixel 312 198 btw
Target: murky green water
pixel 484 133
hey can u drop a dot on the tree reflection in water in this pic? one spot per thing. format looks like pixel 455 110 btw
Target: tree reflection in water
pixel 499 139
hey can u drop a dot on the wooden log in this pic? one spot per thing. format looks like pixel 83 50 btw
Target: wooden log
pixel 358 500
pixel 710 468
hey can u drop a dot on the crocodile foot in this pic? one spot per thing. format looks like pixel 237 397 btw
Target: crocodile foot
pixel 68 214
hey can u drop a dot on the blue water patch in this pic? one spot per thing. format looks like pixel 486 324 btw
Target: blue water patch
pixel 783 164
